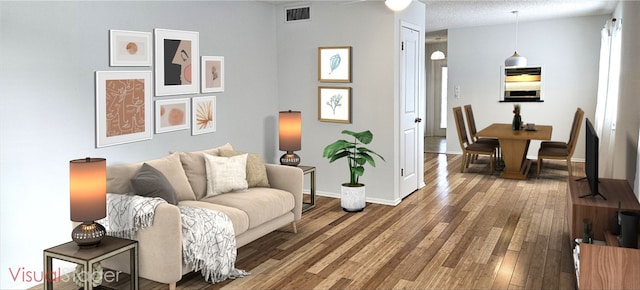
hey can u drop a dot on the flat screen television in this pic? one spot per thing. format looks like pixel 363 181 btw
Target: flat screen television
pixel 591 160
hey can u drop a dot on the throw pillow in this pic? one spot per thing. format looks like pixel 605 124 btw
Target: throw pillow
pixel 256 170
pixel 194 167
pixel 172 169
pixel 225 174
pixel 119 176
pixel 150 182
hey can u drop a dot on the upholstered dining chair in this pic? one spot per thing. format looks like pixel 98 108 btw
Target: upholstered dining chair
pixel 560 149
pixel 471 122
pixel 470 149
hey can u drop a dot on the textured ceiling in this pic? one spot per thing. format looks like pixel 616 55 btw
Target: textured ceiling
pixel 443 15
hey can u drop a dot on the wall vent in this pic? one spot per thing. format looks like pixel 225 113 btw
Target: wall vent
pixel 301 13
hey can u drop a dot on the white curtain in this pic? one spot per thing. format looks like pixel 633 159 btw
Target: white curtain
pixel 607 99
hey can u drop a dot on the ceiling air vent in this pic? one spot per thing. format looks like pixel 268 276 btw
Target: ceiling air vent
pixel 302 13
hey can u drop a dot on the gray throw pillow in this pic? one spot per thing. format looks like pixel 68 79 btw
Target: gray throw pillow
pixel 150 182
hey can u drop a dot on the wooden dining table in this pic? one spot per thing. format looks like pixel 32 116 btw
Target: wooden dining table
pixel 514 145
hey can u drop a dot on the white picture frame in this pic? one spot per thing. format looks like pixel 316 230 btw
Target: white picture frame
pixel 172 115
pixel 177 62
pixel 212 74
pixel 203 117
pixel 123 107
pixel 130 48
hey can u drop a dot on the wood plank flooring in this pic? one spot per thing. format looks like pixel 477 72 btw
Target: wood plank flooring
pixel 466 230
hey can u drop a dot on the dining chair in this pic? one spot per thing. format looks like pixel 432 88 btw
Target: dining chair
pixel 471 122
pixel 559 149
pixel 577 121
pixel 470 149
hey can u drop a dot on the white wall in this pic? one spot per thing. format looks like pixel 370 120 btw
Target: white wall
pixel 568 50
pixel 625 158
pixel 49 52
pixel 371 30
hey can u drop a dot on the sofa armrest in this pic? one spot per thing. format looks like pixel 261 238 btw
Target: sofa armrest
pixel 290 179
pixel 159 246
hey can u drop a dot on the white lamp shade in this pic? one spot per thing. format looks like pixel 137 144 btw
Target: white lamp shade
pixel 437 55
pixel 290 130
pixel 515 60
pixel 397 5
pixel 88 189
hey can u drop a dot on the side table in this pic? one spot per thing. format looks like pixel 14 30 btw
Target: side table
pixel 108 247
pixel 311 170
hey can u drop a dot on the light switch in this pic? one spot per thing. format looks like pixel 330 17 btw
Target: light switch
pixel 456 92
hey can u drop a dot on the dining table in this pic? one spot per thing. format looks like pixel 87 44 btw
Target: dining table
pixel 514 145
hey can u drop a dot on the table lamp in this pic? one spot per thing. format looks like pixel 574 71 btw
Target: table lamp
pixel 290 127
pixel 88 199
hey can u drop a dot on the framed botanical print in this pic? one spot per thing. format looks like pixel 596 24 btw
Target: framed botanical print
pixel 203 119
pixel 176 62
pixel 334 104
pixel 129 48
pixel 123 107
pixel 172 115
pixel 334 64
pixel 212 74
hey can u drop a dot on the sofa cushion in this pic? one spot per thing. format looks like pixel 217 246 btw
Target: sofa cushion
pixel 150 182
pixel 119 176
pixel 261 204
pixel 194 167
pixel 238 217
pixel 256 171
pixel 225 174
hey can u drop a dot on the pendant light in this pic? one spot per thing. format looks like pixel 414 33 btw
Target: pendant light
pixel 516 59
pixel 397 5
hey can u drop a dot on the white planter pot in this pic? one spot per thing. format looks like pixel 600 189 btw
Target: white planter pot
pixel 353 198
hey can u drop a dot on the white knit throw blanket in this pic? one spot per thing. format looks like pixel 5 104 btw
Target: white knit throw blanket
pixel 126 214
pixel 208 239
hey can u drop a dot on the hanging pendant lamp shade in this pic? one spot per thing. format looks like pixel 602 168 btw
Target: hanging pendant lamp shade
pixel 516 59
pixel 397 5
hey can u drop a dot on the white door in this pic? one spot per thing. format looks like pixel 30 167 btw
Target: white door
pixel 409 117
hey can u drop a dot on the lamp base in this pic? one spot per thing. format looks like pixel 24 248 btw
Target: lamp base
pixel 88 234
pixel 290 159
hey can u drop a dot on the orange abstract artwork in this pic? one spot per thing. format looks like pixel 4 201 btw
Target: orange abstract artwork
pixel 125 107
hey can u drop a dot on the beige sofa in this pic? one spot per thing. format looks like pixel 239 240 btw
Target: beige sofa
pixel 254 212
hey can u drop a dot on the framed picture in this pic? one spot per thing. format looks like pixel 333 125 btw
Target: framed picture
pixel 123 107
pixel 172 115
pixel 212 74
pixel 334 64
pixel 203 119
pixel 334 104
pixel 129 48
pixel 176 62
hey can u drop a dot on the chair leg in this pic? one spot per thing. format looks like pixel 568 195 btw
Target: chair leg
pixel 569 167
pixel 464 156
pixel 491 163
pixel 539 165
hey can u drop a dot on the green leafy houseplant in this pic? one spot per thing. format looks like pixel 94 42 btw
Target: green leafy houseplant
pixel 356 154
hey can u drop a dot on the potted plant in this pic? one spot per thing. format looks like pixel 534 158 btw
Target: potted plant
pixel 353 192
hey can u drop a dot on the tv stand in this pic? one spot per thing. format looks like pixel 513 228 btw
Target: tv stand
pixel 599 211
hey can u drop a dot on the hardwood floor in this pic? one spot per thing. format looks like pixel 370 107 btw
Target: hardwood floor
pixel 463 230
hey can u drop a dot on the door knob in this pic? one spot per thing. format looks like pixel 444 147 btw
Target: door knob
pixel 418 120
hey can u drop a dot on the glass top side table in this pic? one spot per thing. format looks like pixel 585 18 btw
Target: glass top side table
pixel 86 257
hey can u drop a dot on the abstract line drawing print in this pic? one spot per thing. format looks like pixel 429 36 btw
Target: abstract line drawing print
pixel 125 107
